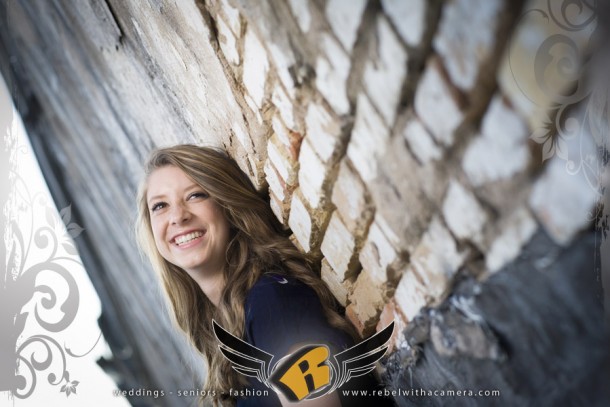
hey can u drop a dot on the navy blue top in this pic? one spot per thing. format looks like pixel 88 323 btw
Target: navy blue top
pixel 281 313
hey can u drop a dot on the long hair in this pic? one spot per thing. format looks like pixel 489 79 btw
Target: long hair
pixel 257 244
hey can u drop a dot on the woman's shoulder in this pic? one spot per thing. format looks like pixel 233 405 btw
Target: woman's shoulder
pixel 276 287
pixel 282 311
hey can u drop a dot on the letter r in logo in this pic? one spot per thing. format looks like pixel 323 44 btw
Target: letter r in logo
pixel 302 373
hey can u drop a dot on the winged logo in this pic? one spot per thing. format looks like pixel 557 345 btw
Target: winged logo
pixel 309 372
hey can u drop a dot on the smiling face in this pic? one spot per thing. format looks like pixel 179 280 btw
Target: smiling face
pixel 189 228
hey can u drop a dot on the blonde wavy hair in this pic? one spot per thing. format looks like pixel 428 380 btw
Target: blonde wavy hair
pixel 258 244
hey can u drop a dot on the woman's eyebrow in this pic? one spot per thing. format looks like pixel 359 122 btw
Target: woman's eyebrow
pixel 160 196
pixel 194 186
pixel 154 198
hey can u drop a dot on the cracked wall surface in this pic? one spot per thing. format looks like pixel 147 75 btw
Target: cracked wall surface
pixel 409 145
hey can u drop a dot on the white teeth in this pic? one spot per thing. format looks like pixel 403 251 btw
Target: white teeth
pixel 188 237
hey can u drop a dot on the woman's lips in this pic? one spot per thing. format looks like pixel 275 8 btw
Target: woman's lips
pixel 187 238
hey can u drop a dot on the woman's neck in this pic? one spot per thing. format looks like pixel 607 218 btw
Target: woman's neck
pixel 212 285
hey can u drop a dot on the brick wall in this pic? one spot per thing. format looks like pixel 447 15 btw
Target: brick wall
pixel 394 149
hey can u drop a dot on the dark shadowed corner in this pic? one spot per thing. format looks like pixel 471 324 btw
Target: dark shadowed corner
pixel 540 318
pixel 603 225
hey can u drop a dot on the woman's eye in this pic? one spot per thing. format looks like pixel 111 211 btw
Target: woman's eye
pixel 202 195
pixel 157 206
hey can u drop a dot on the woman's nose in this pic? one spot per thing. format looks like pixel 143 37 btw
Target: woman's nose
pixel 179 214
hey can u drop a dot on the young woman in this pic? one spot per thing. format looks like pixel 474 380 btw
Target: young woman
pixel 222 255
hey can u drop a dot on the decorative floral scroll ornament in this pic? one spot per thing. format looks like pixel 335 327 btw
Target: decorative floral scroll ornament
pixel 38 262
pixel 70 386
pixel 563 69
